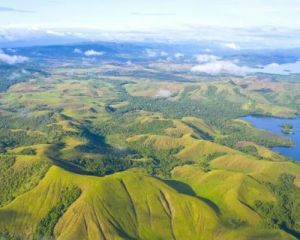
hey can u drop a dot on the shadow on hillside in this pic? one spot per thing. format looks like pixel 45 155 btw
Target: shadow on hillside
pixel 290 231
pixel 180 187
pixel 186 189
pixel 53 154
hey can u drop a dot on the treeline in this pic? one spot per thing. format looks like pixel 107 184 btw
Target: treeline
pixel 100 158
pixel 233 133
pixel 95 157
pixel 29 130
pixel 45 228
pixel 157 162
pixel 10 75
pixel 10 139
pixel 284 213
pixel 217 114
pixel 6 235
pixel 213 112
pixel 213 109
pixel 14 182
pixel 129 126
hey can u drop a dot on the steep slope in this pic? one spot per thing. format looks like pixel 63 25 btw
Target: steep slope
pixel 132 205
pixel 127 205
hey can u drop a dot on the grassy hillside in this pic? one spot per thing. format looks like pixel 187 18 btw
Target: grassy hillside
pixel 128 205
pixel 112 207
pixel 104 152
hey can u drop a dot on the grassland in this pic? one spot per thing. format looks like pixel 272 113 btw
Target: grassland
pixel 88 155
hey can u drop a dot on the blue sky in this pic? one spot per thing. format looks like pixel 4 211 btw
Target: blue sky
pixel 145 14
pixel 255 23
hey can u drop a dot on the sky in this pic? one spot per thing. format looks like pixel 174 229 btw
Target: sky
pixel 145 14
pixel 272 22
pixel 233 24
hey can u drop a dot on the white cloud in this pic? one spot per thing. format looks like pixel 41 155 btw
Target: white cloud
pixel 90 53
pixel 55 33
pixel 163 54
pixel 178 55
pixel 204 58
pixel 282 69
pixel 151 53
pixel 12 59
pixel 241 38
pixel 232 45
pixel 163 93
pixel 231 67
pixel 220 67
pixel 214 65
pixel 77 50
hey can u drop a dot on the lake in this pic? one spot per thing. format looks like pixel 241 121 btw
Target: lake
pixel 273 125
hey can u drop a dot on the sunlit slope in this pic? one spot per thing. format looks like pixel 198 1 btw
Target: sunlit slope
pixel 133 205
pixel 232 195
pixel 249 100
pixel 232 192
pixel 212 199
pixel 262 170
pixel 128 205
pixel 190 148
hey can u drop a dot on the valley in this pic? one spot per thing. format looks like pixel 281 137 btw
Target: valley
pixel 147 150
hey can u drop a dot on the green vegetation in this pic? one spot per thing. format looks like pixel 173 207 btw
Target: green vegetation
pixel 5 235
pixel 12 75
pixel 287 128
pixel 234 132
pixel 209 157
pixel 284 213
pixel 46 226
pixel 95 152
pixel 28 151
pixel 158 162
pixel 16 180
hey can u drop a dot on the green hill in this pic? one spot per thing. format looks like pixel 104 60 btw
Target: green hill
pixel 128 205
pixel 89 153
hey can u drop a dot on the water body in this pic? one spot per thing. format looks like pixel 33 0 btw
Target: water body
pixel 273 125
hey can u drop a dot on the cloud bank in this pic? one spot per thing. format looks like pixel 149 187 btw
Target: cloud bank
pixel 204 58
pixel 232 46
pixel 91 53
pixel 230 38
pixel 221 67
pixel 152 53
pixel 214 65
pixel 12 59
pixel 282 69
